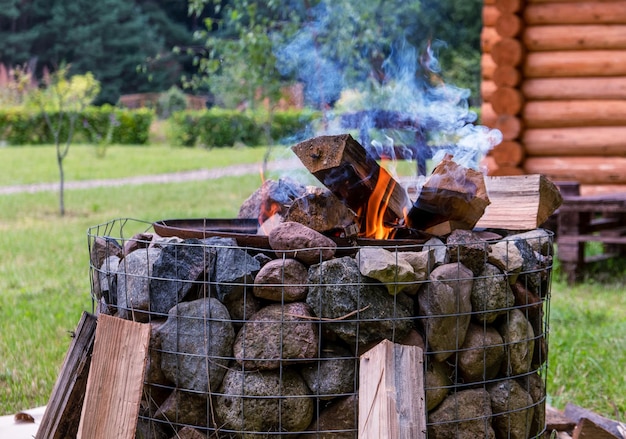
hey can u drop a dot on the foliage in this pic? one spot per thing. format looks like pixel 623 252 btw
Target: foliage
pixel 170 102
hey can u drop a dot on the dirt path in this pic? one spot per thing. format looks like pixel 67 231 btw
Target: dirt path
pixel 177 177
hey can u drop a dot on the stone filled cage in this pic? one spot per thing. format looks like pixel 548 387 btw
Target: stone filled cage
pixel 253 341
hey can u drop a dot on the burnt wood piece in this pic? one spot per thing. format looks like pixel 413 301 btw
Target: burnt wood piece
pixel 62 415
pixel 452 195
pixel 342 165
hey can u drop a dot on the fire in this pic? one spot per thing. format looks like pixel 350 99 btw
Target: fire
pixel 373 213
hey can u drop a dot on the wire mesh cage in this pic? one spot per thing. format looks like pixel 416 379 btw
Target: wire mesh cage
pixel 262 341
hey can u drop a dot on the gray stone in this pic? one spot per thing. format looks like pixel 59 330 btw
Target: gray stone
pixel 491 294
pixel 185 408
pixel 154 374
pixel 445 303
pixel 512 408
pixel 462 415
pixel 506 256
pixel 282 280
pixel 294 240
pixel 133 284
pixel 437 383
pixel 519 343
pixel 481 354
pixel 107 280
pixel 242 307
pixel 197 339
pixel 332 374
pixel 423 262
pixel 276 333
pixel 234 269
pixel 536 388
pixel 338 420
pixel 468 248
pixel 337 291
pixel 540 240
pixel 188 433
pixel 386 267
pixel 258 402
pixel 177 271
pixel 535 270
pixel 440 251
pixel 149 429
pixel 102 248
pixel 137 241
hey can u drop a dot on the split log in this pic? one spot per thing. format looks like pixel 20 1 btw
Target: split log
pixel 487 66
pixel 508 153
pixel 510 126
pixel 508 52
pixel 487 88
pixel 452 195
pixel 575 37
pixel 507 76
pixel 490 14
pixel 575 63
pixel 507 100
pixel 587 429
pixel 520 202
pixel 509 25
pixel 586 12
pixel 575 141
pixel 573 88
pixel 575 113
pixel 509 6
pixel 577 413
pixel 342 165
pixel 585 170
pixel 320 210
pixel 391 392
pixel 488 37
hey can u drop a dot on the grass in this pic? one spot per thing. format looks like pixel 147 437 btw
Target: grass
pixel 44 279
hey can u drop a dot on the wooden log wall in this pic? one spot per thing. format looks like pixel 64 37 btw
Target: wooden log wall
pixel 554 83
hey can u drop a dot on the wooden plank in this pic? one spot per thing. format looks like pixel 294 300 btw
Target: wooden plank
pixel 521 202
pixel 115 379
pixel 62 415
pixel 587 429
pixel 577 413
pixel 391 392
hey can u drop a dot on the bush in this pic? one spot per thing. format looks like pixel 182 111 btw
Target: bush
pixel 170 102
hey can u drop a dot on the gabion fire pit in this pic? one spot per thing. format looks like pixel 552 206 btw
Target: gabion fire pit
pixel 252 341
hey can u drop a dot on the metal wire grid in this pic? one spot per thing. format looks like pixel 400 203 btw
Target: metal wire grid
pixel 155 422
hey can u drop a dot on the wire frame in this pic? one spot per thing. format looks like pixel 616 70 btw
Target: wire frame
pixel 229 359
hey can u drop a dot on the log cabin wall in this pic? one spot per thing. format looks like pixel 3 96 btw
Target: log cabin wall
pixel 554 83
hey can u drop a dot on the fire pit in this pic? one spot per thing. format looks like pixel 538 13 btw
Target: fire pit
pixel 258 332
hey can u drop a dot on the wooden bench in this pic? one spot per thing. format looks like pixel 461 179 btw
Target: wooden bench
pixel 585 219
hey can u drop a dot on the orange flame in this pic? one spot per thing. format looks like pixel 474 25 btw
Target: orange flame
pixel 373 213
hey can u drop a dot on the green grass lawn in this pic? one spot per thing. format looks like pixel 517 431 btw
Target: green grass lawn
pixel 44 276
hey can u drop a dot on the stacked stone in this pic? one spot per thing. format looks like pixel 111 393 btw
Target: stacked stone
pixel 247 342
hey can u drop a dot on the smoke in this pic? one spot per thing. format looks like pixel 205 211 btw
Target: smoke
pixel 347 74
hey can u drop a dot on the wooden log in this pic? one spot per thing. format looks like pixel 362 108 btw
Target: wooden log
pixel 575 63
pixel 587 429
pixel 490 14
pixel 115 382
pixel 509 6
pixel 577 413
pixel 486 90
pixel 508 153
pixel 509 25
pixel 507 100
pixel 342 165
pixel 62 415
pixel 505 171
pixel 507 76
pixel 602 189
pixel 391 392
pixel 488 117
pixel 575 37
pixel 560 114
pixel 575 141
pixel 585 170
pixel 487 66
pixel 587 12
pixel 508 52
pixel 510 126
pixel 452 194
pixel 573 88
pixel 519 202
pixel 488 37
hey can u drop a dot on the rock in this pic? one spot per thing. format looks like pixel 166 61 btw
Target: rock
pixel 540 240
pixel 294 240
pixel 193 332
pixel 536 388
pixel 234 269
pixel 532 307
pixel 437 383
pixel 154 374
pixel 422 262
pixel 440 251
pixel 149 429
pixel 276 333
pixel 137 241
pixel 102 248
pixel 188 433
pixel 184 408
pixel 337 290
pixel 535 267
pixel 445 301
pixel 320 210
pixel 242 307
pixel 107 280
pixel 506 256
pixel 176 271
pixel 462 415
pixel 282 280
pixel 512 410
pixel 338 420
pixel 481 355
pixel 468 248
pixel 518 336
pixel 263 402
pixel 133 284
pixel 332 375
pixel 491 295
pixel 386 267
